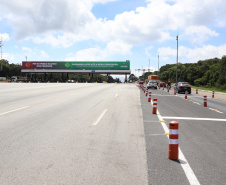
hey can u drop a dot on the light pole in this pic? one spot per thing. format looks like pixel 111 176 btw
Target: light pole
pixel 149 65
pixel 177 57
pixel 158 64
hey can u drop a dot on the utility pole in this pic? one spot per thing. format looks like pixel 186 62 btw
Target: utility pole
pixel 158 64
pixel 149 65
pixel 177 58
pixel 1 45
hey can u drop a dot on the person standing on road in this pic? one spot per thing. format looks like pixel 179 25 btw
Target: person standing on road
pixel 169 85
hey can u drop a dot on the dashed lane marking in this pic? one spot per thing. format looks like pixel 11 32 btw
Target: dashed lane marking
pixel 100 117
pixel 14 110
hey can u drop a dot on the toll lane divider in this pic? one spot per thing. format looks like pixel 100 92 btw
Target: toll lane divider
pixel 204 103
pixel 181 158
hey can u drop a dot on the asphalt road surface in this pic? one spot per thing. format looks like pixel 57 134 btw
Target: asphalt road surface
pixel 202 139
pixel 106 134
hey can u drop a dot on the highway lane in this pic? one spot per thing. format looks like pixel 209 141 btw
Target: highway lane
pixel 104 134
pixel 71 134
pixel 203 142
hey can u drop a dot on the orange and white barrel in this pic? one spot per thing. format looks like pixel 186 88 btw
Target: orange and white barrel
pixel 205 101
pixel 173 140
pixel 213 94
pixel 149 96
pixel 186 95
pixel 154 110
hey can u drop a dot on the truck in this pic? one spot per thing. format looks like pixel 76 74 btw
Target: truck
pixel 153 77
pixel 18 79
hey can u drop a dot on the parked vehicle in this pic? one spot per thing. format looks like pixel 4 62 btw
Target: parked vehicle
pixel 182 87
pixel 162 84
pixel 152 84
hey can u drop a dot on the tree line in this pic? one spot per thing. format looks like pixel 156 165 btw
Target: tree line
pixel 206 73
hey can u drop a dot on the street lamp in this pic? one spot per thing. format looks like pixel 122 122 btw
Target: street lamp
pixel 158 64
pixel 177 57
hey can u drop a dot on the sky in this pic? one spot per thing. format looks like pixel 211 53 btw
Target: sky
pixel 113 30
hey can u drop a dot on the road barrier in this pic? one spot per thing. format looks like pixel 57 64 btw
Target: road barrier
pixel 146 91
pixel 173 140
pixel 163 87
pixel 205 101
pixel 175 92
pixel 213 94
pixel 154 110
pixel 196 91
pixel 167 89
pixel 186 95
pixel 149 96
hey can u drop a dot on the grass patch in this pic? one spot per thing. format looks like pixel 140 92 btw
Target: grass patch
pixel 209 89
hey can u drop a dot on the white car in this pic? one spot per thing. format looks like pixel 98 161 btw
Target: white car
pixel 152 84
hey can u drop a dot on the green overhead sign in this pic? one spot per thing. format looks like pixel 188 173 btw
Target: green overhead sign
pixel 118 65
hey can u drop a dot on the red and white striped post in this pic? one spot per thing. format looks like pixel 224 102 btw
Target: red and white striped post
pixel 154 110
pixel 149 96
pixel 173 140
pixel 175 92
pixel 196 91
pixel 146 92
pixel 163 87
pixel 167 89
pixel 186 95
pixel 205 101
pixel 213 94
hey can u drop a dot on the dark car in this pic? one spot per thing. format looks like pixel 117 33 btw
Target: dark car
pixel 182 87
pixel 162 84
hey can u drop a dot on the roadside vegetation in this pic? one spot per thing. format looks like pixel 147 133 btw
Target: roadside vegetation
pixel 209 89
pixel 209 74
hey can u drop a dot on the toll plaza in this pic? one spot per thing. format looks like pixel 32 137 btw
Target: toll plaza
pixel 77 67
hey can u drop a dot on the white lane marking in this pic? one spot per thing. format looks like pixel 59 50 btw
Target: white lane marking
pixel 100 117
pixel 116 95
pixel 14 110
pixel 183 161
pixel 160 95
pixel 190 118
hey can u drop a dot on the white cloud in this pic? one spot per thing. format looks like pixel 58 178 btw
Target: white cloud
pixel 31 54
pixel 63 23
pixel 90 54
pixel 8 57
pixel 4 37
pixel 97 53
pixel 151 23
pixel 102 1
pixel 147 50
pixel 199 34
pixel 118 47
pixel 194 55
